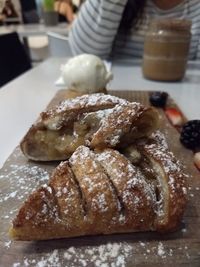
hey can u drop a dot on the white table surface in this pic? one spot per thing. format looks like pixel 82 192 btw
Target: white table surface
pixel 27 30
pixel 24 98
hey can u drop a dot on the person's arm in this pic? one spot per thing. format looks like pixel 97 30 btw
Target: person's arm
pixel 57 6
pixel 95 27
pixel 69 12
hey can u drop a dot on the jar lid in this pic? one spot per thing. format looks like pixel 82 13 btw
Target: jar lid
pixel 180 25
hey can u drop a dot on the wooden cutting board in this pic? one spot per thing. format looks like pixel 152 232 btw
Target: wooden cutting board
pixel 19 177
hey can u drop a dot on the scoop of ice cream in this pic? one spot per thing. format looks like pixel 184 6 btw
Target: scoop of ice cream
pixel 86 73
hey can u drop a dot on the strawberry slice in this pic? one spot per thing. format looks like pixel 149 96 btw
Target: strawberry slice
pixel 197 160
pixel 174 116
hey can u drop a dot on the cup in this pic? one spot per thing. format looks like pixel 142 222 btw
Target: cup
pixel 166 49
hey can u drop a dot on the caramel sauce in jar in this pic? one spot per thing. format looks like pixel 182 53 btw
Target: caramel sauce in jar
pixel 166 49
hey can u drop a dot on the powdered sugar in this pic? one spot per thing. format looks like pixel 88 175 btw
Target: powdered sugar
pixel 110 254
pixel 121 117
pixel 161 251
pixel 116 124
pixel 70 108
pixel 76 256
pixel 7 244
pixel 89 100
pixel 128 181
pixel 17 182
pixel 21 173
pixel 170 175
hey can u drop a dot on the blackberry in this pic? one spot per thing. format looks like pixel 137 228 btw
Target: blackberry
pixel 158 99
pixel 190 134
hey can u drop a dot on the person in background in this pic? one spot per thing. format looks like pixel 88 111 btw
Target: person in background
pixel 2 17
pixel 29 11
pixel 65 10
pixel 77 4
pixel 8 11
pixel 116 28
pixel 39 6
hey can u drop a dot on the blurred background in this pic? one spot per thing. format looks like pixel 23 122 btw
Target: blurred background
pixel 36 23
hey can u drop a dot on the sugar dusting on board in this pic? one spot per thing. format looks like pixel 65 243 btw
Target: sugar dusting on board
pixel 117 254
pixel 21 179
pixel 21 173
pixel 161 251
pixel 110 254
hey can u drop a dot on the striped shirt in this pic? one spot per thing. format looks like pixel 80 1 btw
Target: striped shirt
pixel 95 29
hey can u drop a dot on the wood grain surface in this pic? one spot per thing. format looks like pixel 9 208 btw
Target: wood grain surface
pixel 19 177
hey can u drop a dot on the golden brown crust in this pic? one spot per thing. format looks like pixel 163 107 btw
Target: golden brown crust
pixel 125 124
pixel 132 190
pixel 37 215
pixel 68 195
pixel 96 120
pixel 102 205
pixel 102 192
pixel 50 211
pixel 171 182
pixel 68 110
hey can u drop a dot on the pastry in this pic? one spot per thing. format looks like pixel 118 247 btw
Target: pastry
pixel 95 120
pixel 165 174
pixel 104 192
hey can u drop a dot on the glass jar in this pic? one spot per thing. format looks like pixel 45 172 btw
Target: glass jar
pixel 166 49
